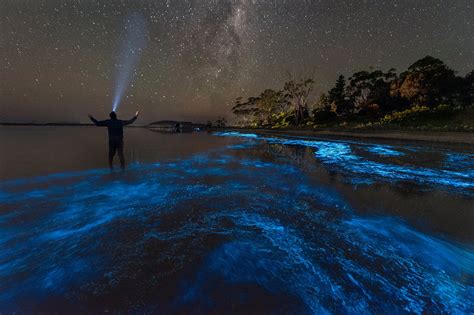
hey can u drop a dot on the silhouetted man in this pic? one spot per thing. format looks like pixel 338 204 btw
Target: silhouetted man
pixel 115 128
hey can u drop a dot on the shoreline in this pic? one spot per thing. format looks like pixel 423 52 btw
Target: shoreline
pixel 455 137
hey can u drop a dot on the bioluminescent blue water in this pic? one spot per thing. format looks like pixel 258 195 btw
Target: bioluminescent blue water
pixel 133 44
pixel 250 227
pixel 458 172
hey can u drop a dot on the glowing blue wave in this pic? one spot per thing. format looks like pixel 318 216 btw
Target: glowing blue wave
pixel 218 228
pixel 384 150
pixel 458 173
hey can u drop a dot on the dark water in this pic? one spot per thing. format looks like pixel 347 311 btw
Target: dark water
pixel 232 223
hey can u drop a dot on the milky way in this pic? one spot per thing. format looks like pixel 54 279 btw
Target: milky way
pixel 57 57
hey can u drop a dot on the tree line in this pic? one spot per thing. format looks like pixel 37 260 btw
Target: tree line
pixel 428 85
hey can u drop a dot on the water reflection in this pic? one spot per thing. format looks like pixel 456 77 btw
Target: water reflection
pixel 37 151
pixel 248 225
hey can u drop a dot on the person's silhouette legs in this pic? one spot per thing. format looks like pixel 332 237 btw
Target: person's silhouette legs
pixel 112 149
pixel 120 154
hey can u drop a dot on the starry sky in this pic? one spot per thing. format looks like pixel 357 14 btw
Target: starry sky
pixel 59 59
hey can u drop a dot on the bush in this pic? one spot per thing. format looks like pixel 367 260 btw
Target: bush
pixel 282 120
pixel 324 117
pixel 405 115
pixel 445 110
pixel 370 111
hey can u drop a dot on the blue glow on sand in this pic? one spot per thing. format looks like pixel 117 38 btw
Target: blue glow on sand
pixel 132 47
pixel 222 230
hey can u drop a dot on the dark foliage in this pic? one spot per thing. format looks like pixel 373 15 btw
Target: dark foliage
pixel 366 96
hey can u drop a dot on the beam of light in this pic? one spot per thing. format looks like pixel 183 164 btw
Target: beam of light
pixel 133 45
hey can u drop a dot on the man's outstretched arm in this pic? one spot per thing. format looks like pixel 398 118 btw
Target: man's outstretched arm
pixel 101 123
pixel 131 121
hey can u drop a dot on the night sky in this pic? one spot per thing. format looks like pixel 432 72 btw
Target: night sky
pixel 59 59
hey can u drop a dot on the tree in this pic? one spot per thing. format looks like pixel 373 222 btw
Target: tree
pixel 469 84
pixel 428 82
pixel 322 112
pixel 269 102
pixel 323 103
pixel 221 122
pixel 297 94
pixel 369 92
pixel 465 93
pixel 245 111
pixel 337 97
